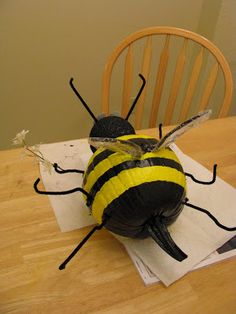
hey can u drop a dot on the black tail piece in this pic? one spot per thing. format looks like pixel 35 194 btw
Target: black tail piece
pixel 160 234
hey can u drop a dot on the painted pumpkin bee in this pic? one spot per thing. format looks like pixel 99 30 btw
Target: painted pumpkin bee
pixel 134 184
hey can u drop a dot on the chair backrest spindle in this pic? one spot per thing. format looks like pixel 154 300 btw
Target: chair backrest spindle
pixel 160 78
pixel 128 76
pixel 192 85
pixel 209 87
pixel 145 70
pixel 177 79
pixel 177 95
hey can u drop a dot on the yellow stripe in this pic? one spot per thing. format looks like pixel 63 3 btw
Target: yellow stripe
pixel 128 137
pixel 118 158
pixel 129 178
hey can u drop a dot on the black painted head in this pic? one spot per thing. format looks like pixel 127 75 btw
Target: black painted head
pixel 111 127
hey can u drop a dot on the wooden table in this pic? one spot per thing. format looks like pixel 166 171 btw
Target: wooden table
pixel 102 278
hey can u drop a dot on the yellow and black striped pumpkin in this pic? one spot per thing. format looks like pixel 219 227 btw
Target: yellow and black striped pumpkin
pixel 133 191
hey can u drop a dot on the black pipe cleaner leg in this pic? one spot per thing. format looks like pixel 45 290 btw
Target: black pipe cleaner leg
pixel 79 246
pixel 78 189
pixel 203 210
pixel 204 182
pixel 59 170
pixel 160 131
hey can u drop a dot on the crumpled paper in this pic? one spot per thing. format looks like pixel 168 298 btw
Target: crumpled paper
pixel 194 232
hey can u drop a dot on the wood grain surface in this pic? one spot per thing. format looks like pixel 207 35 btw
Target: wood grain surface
pixel 101 278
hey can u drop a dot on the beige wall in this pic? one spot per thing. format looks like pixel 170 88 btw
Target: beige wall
pixel 45 42
pixel 225 38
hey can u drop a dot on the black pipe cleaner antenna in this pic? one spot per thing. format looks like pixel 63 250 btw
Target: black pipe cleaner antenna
pixel 82 100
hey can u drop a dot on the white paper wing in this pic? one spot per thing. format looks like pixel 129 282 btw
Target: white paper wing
pixel 117 145
pixel 170 137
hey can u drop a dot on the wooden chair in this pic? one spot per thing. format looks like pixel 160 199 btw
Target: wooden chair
pixel 185 77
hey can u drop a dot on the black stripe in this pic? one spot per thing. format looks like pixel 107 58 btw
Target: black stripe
pixel 100 157
pixel 130 164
